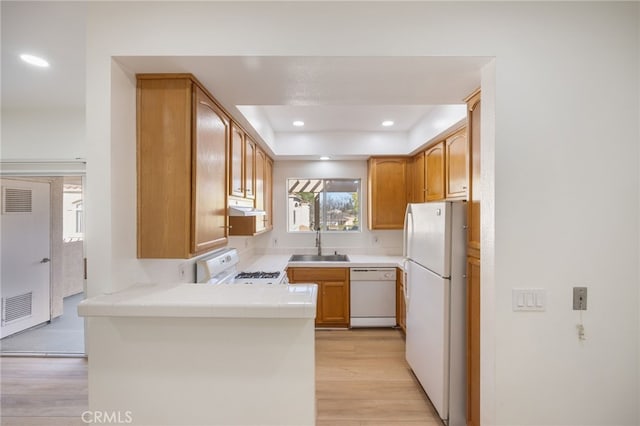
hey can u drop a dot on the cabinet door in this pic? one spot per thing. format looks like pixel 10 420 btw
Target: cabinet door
pixel 249 168
pixel 473 341
pixel 387 192
pixel 456 165
pixel 261 160
pixel 268 192
pixel 473 206
pixel 333 293
pixel 434 164
pixel 335 303
pixel 419 180
pixel 164 119
pixel 236 162
pixel 209 174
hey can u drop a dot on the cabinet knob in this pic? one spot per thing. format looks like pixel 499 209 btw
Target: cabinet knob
pixel 464 187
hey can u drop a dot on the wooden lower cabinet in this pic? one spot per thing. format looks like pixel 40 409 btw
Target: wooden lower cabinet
pixel 473 341
pixel 401 310
pixel 333 293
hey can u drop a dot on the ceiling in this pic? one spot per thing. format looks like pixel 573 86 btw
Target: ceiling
pixel 55 31
pixel 330 94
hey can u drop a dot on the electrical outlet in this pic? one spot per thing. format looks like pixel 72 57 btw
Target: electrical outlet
pixel 580 298
pixel 376 240
pixel 182 271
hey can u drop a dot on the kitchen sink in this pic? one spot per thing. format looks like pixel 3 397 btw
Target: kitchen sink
pixel 319 258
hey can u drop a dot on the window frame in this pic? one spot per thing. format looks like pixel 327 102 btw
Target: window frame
pixel 324 210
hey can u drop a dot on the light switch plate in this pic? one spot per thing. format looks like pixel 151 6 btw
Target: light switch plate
pixel 528 299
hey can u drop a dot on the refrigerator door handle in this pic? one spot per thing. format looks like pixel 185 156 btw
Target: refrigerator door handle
pixel 408 230
pixel 405 280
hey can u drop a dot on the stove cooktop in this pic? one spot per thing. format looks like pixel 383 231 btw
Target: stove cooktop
pixel 257 275
pixel 260 277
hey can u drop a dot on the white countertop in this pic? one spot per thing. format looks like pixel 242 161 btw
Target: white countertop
pixel 205 301
pixel 226 301
pixel 280 262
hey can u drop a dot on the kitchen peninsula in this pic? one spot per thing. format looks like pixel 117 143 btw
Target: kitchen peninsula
pixel 198 354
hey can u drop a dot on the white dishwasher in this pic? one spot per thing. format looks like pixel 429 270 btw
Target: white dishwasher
pixel 373 297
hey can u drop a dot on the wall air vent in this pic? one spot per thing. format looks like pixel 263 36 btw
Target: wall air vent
pixel 16 307
pixel 16 200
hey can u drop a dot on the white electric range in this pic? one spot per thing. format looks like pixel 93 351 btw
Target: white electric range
pixel 221 268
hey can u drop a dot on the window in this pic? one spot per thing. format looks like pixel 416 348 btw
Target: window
pixel 331 204
pixel 73 212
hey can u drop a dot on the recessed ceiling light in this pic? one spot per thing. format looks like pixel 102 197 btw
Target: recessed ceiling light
pixel 325 158
pixel 298 123
pixel 387 123
pixel 34 60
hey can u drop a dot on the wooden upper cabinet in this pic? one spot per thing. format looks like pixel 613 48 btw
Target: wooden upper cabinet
pixel 252 225
pixel 209 225
pixel 473 206
pixel 260 169
pixel 473 261
pixel 268 193
pixel 456 165
pixel 434 172
pixel 236 162
pixel 249 168
pixel 387 192
pixel 182 139
pixel 418 179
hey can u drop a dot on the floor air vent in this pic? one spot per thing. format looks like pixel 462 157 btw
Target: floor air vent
pixel 16 307
pixel 16 200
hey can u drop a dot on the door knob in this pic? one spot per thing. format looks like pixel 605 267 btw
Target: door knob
pixel 45 260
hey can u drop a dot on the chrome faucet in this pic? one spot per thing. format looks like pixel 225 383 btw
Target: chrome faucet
pixel 319 241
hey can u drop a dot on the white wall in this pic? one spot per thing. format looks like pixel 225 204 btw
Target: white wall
pixel 434 124
pixel 566 134
pixel 638 122
pixel 46 134
pixel 317 144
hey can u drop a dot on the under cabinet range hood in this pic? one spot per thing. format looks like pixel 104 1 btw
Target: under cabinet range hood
pixel 245 211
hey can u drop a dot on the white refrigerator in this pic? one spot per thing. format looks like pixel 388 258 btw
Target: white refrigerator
pixel 435 294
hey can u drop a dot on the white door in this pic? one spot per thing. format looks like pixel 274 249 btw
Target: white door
pixel 427 341
pixel 25 252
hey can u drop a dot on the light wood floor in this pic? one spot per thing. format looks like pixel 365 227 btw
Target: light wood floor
pixel 43 391
pixel 362 379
